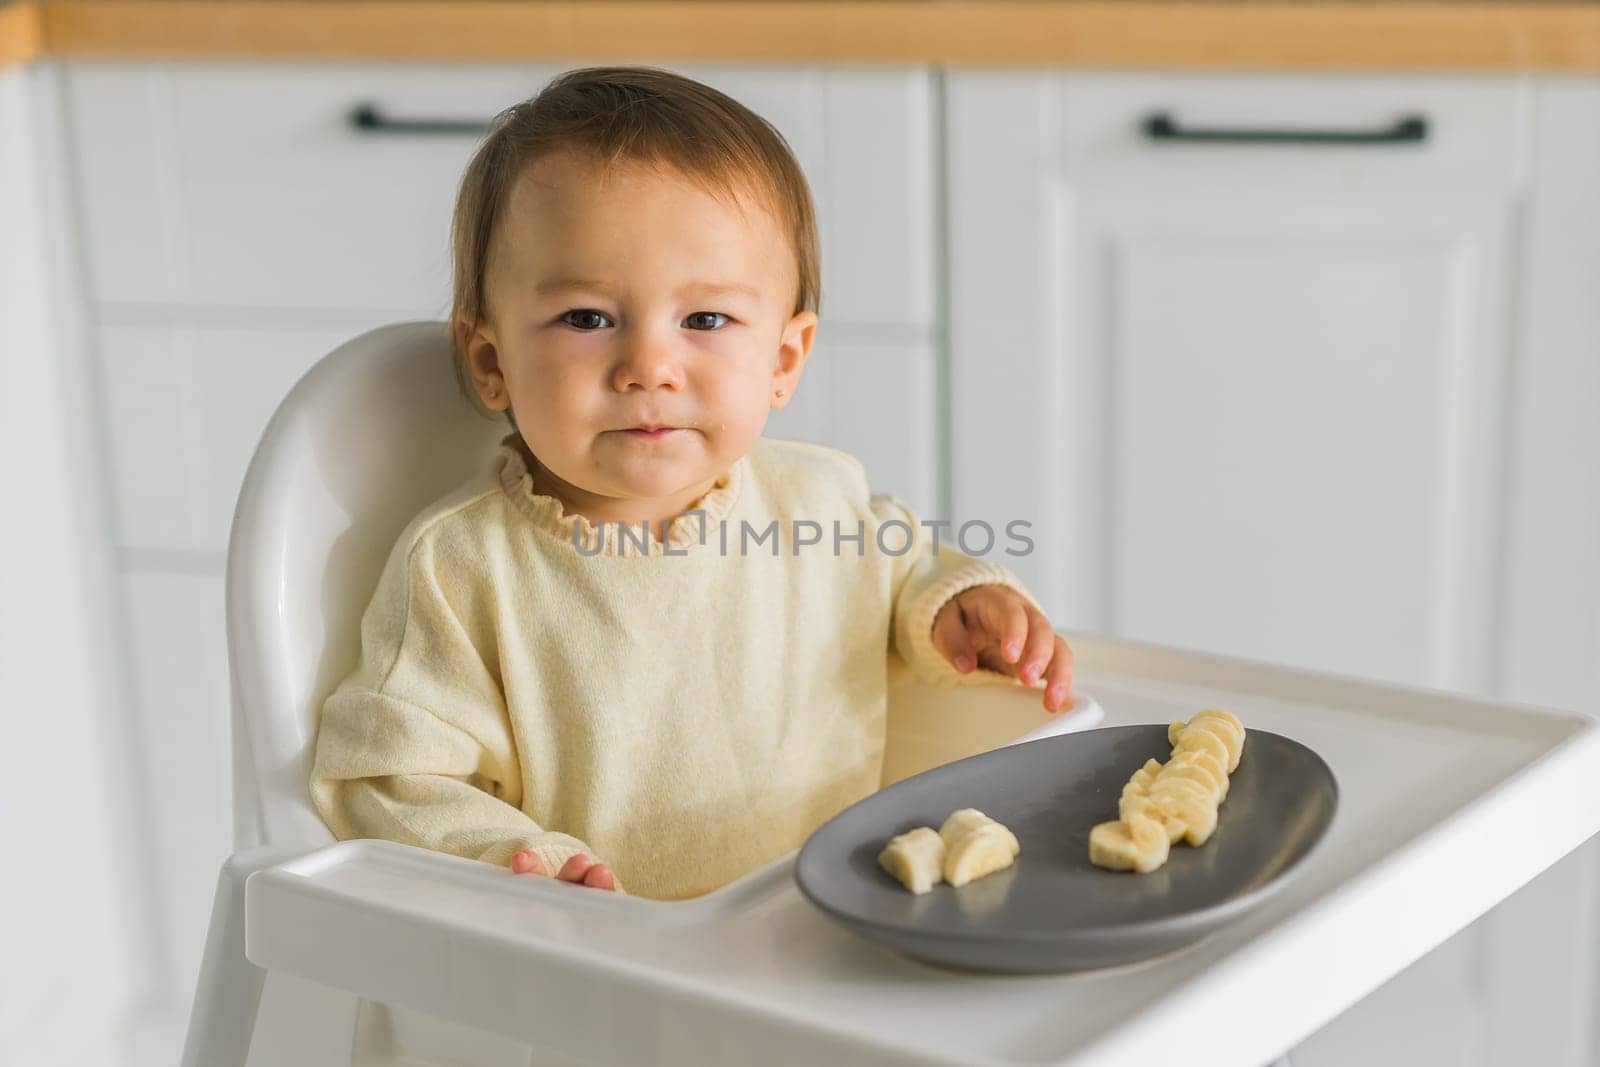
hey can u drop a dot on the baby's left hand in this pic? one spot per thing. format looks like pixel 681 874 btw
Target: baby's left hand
pixel 994 626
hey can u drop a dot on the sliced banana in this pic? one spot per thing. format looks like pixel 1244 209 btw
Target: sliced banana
pixel 1111 845
pixel 1163 803
pixel 915 857
pixel 1205 740
pixel 968 845
pixel 1193 772
pixel 1227 727
pixel 966 820
pixel 980 851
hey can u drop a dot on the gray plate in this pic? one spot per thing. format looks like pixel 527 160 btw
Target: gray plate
pixel 1053 910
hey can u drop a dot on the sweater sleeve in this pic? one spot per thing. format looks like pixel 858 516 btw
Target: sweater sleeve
pixel 415 745
pixel 923 580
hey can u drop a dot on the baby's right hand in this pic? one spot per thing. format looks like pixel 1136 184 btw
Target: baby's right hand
pixel 580 870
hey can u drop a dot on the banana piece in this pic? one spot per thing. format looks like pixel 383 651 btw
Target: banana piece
pixel 1139 786
pixel 915 857
pixel 1227 727
pixel 975 845
pixel 1197 813
pixel 1205 741
pixel 1194 772
pixel 1113 846
pixel 980 851
pixel 967 820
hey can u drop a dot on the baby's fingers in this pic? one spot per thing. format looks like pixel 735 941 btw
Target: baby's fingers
pixel 998 617
pixel 1058 678
pixel 1042 645
pixel 575 868
pixel 950 637
pixel 581 870
pixel 526 862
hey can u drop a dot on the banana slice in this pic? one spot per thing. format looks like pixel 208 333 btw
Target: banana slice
pixel 1198 814
pixel 1136 842
pixel 975 845
pixel 1225 716
pixel 1169 784
pixel 1112 845
pixel 980 851
pixel 965 820
pixel 1145 775
pixel 1207 767
pixel 1191 772
pixel 1227 727
pixel 915 857
pixel 1139 785
pixel 1204 740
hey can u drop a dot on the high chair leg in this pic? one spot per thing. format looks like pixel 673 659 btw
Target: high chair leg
pixel 228 994
pixel 303 1024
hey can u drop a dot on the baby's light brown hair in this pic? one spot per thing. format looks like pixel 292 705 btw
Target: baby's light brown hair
pixel 633 114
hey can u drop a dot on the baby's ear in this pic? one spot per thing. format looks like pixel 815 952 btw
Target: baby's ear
pixel 795 345
pixel 801 331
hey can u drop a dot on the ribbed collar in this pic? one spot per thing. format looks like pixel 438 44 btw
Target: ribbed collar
pixel 549 514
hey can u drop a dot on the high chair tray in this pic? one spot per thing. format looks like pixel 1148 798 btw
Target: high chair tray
pixel 1052 910
pixel 1447 804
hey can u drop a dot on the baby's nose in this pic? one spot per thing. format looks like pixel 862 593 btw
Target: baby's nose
pixel 649 365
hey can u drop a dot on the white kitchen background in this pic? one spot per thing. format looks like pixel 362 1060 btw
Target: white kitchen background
pixel 1335 405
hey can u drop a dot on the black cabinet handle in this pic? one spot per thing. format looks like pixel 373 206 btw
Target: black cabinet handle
pixel 1408 129
pixel 368 119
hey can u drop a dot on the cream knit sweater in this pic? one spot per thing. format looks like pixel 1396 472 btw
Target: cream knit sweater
pixel 684 715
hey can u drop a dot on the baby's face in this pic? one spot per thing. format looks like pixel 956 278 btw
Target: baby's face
pixel 631 297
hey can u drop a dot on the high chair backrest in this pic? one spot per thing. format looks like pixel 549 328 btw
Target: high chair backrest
pixel 372 433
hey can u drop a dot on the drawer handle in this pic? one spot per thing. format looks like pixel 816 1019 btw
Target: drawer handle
pixel 368 119
pixel 1408 129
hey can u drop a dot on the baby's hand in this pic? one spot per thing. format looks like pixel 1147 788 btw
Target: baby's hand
pixel 580 869
pixel 994 626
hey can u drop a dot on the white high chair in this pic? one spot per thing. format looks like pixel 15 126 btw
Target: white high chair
pixel 367 437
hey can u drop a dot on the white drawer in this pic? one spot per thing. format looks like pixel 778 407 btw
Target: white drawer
pixel 185 407
pixel 245 185
pixel 1473 141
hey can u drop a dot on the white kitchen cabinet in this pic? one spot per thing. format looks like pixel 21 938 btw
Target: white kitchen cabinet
pixel 1327 404
pixel 1263 380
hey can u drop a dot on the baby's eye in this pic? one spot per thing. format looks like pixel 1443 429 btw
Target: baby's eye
pixel 700 314
pixel 587 324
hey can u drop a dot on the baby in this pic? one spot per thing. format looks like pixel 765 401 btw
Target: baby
pixel 576 665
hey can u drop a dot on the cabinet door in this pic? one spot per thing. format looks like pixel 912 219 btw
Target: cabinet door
pixel 1255 388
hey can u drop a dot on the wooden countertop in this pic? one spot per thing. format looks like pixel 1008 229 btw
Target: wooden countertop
pixel 1432 35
